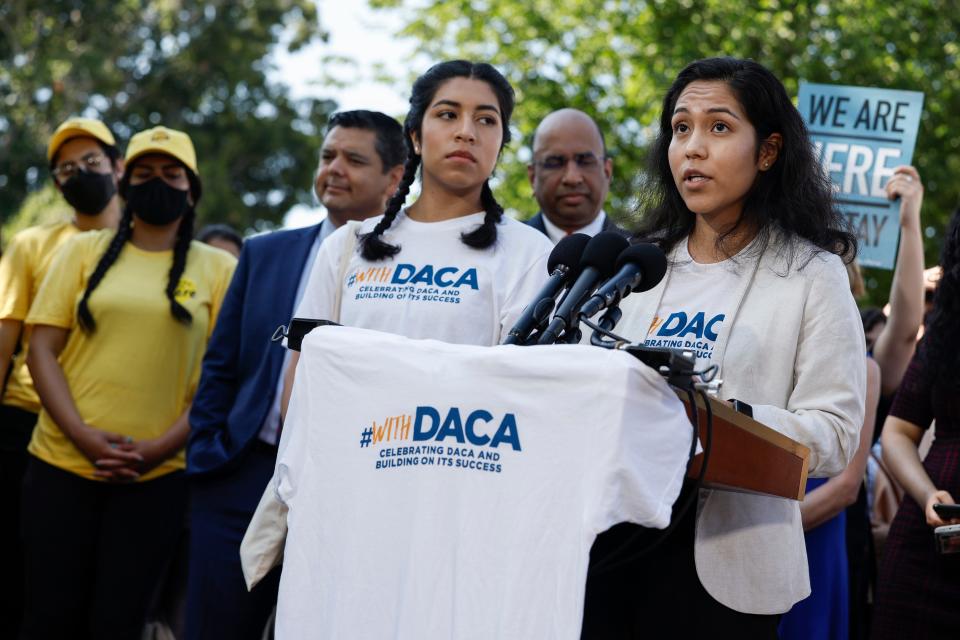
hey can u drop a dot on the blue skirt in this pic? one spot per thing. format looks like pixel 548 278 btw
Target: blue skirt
pixel 825 613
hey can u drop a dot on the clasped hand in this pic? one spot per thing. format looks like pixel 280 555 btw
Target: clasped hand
pixel 117 457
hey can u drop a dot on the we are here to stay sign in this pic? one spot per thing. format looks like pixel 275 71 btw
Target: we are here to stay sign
pixel 861 134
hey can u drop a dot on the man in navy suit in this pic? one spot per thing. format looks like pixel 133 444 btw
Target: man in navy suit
pixel 235 418
pixel 570 174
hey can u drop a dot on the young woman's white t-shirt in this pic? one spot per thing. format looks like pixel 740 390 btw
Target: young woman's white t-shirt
pixel 436 286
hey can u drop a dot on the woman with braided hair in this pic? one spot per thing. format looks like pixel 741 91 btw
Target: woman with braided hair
pixel 119 329
pixel 918 588
pixel 450 266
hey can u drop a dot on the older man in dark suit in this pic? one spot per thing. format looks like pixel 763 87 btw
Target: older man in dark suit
pixel 235 418
pixel 570 174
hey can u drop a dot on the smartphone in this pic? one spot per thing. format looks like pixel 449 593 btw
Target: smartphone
pixel 948 538
pixel 947 511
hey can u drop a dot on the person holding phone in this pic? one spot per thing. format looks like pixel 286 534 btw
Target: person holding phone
pixel 918 589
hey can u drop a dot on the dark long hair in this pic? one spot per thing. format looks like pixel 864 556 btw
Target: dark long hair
pixel 180 249
pixel 794 194
pixel 372 244
pixel 941 342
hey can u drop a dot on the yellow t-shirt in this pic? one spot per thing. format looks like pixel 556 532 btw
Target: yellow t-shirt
pixel 137 373
pixel 22 268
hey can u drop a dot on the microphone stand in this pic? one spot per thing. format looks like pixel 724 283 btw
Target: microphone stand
pixel 676 365
pixel 606 323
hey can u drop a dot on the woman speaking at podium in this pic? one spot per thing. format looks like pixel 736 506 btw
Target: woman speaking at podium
pixel 755 285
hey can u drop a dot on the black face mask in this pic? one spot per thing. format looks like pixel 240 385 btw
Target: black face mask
pixel 89 192
pixel 156 202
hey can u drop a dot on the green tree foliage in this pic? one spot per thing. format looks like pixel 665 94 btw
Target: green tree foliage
pixel 196 66
pixel 615 59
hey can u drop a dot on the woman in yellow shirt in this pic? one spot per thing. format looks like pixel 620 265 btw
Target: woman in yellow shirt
pixel 120 325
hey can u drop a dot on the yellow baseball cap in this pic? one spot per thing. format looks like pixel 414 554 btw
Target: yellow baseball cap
pixel 162 140
pixel 75 128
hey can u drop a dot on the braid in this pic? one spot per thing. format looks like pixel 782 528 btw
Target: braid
pixel 84 317
pixel 372 246
pixel 486 234
pixel 180 249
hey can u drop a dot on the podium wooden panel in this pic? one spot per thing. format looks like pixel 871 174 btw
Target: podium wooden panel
pixel 749 456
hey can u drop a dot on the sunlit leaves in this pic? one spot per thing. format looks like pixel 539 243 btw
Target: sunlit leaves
pixel 616 58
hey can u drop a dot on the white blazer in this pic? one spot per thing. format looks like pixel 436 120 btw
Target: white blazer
pixel 794 349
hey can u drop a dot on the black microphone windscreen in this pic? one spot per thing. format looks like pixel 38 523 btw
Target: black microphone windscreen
pixel 568 252
pixel 602 251
pixel 652 261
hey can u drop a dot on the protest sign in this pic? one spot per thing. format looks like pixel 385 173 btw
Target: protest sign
pixel 861 135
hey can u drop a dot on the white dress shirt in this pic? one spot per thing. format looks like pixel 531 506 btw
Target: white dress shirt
pixel 556 234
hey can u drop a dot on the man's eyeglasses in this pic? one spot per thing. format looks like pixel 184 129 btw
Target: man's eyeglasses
pixel 67 170
pixel 586 161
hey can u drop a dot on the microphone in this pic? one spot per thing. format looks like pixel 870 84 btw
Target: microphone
pixel 597 263
pixel 639 268
pixel 563 265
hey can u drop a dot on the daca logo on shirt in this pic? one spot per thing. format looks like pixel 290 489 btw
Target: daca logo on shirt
pixel 677 324
pixel 408 274
pixel 439 434
pixel 472 429
pixel 686 331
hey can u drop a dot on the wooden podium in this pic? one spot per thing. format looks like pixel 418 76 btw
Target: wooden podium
pixel 747 455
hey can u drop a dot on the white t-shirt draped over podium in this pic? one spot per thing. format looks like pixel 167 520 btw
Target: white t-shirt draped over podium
pixel 453 491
